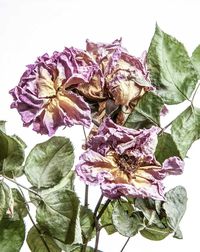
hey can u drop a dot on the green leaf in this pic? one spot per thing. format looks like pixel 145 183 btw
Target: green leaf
pixel 87 222
pixel 155 227
pixel 58 212
pixel 178 234
pixel 125 220
pixel 49 162
pixel 12 234
pixel 166 147
pixel 150 210
pixel 78 248
pixel 36 244
pixel 67 182
pixel 186 129
pixel 196 59
pixel 20 209
pixel 12 155
pixel 146 113
pixel 175 206
pixel 155 233
pixel 5 198
pixel 3 146
pixel 171 69
pixel 106 219
pixel 3 126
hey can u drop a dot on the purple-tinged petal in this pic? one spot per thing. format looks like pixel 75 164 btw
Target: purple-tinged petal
pixel 137 143
pixel 76 110
pixel 93 168
pixel 115 191
pixel 44 95
pixel 173 166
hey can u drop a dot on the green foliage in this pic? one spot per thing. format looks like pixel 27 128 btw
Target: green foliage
pixel 36 244
pixel 186 129
pixel 5 198
pixel 12 234
pixel 3 126
pixel 166 147
pixel 175 206
pixel 125 220
pixel 86 222
pixel 20 208
pixel 11 155
pixel 155 233
pixel 106 218
pixel 171 69
pixel 146 113
pixel 49 162
pixel 78 248
pixel 196 60
pixel 163 217
pixel 58 212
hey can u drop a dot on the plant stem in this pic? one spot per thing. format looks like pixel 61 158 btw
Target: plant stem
pixel 20 185
pixel 86 195
pixel 98 205
pixel 97 239
pixel 85 240
pixel 103 209
pixel 125 244
pixel 97 217
pixel 31 218
pixel 86 186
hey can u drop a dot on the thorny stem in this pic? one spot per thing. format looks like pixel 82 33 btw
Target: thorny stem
pixel 125 244
pixel 30 216
pixel 22 186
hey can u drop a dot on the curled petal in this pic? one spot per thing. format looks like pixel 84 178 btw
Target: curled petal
pixel 137 143
pixel 106 54
pixel 172 166
pixel 45 97
pixel 114 191
pixel 93 168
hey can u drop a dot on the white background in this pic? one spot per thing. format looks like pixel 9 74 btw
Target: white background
pixel 29 28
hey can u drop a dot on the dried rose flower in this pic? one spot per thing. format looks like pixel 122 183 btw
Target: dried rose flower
pixel 121 77
pixel 126 76
pixel 44 96
pixel 122 162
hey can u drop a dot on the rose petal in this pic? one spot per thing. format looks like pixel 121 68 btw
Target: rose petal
pixel 93 168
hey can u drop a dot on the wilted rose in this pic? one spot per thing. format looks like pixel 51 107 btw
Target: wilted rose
pixel 122 162
pixel 119 83
pixel 45 95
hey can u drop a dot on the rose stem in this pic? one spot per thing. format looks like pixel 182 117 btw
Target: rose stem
pixel 20 185
pixel 103 209
pixel 85 240
pixel 98 205
pixel 30 216
pixel 86 186
pixel 125 244
pixel 97 217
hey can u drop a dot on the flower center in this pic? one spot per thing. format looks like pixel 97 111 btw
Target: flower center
pixel 127 164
